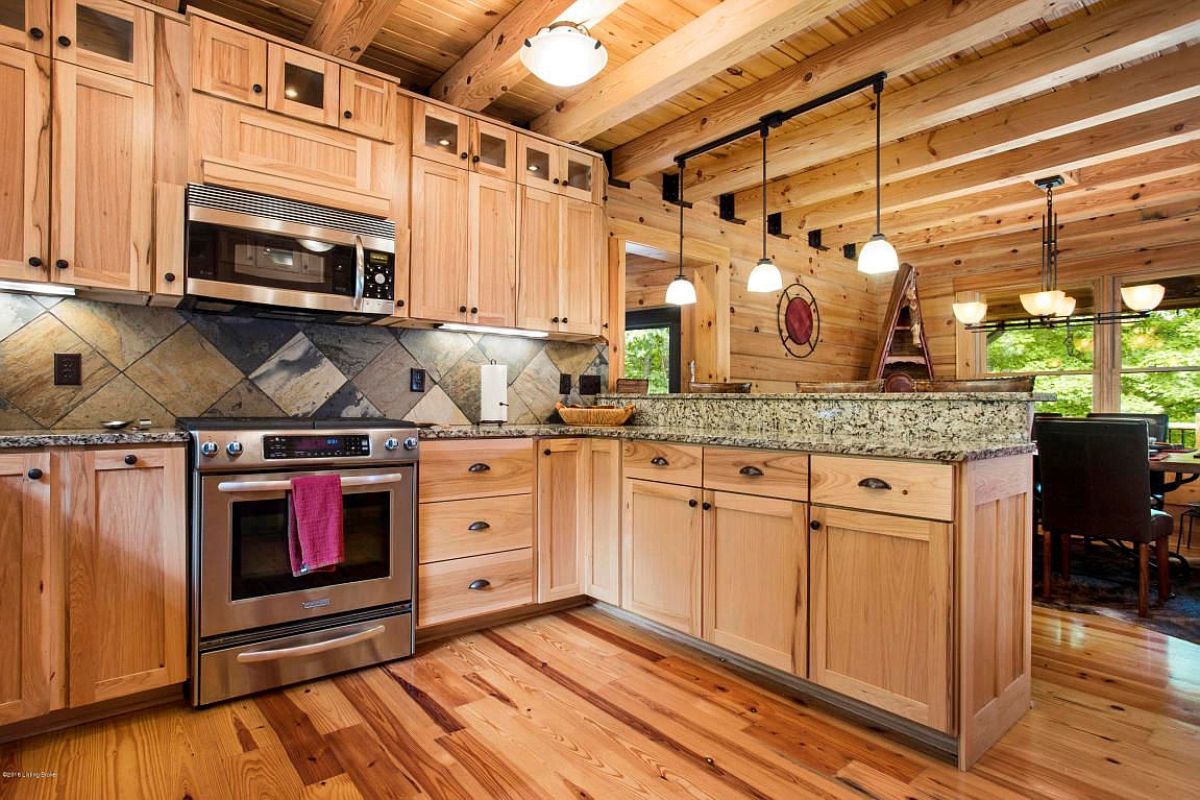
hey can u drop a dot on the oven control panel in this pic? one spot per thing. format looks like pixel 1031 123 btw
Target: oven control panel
pixel 316 446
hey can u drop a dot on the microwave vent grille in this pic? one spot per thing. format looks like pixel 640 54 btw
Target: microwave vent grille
pixel 260 205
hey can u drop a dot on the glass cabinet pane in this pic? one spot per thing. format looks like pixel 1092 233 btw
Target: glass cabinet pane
pixel 441 134
pixel 493 150
pixel 12 14
pixel 579 174
pixel 302 85
pixel 105 34
pixel 537 163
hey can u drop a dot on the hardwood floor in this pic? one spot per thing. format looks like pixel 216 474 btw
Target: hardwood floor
pixel 578 704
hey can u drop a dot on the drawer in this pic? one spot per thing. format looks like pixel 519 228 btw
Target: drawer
pixel 668 463
pixel 456 470
pixel 911 488
pixel 769 473
pixel 444 592
pixel 460 528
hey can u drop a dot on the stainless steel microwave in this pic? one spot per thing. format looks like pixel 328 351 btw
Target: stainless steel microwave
pixel 253 254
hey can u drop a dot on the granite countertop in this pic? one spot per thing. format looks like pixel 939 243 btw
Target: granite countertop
pixel 986 397
pixel 13 439
pixel 921 449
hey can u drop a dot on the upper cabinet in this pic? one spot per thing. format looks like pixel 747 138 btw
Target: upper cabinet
pixel 108 36
pixel 302 85
pixel 492 150
pixel 448 137
pixel 561 266
pixel 559 169
pixel 25 165
pixel 229 63
pixel 368 105
pixel 26 24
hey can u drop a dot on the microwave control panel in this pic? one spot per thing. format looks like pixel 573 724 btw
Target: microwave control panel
pixel 380 275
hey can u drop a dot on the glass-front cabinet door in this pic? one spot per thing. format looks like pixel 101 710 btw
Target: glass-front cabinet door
pixel 440 134
pixel 538 164
pixel 26 24
pixel 580 175
pixel 105 35
pixel 492 150
pixel 302 85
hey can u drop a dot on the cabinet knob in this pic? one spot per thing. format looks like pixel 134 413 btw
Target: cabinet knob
pixel 347 114
pixel 478 468
pixel 564 320
pixel 34 474
pixel 399 304
pixel 556 181
pixel 36 33
pixel 462 309
pixel 546 452
pixel 256 88
pixel 474 159
pixel 64 41
pixel 35 262
pixel 169 277
pixel 554 319
pixel 815 525
pixel 479 525
pixel 474 309
pixel 707 506
pixel 479 584
pixel 463 156
pixel 131 459
pixel 693 502
pixel 62 263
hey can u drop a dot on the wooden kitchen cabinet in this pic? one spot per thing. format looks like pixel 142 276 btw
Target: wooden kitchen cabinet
pixel 25 24
pixel 560 263
pixel 102 179
pixel 662 527
pixel 368 105
pixel 302 85
pixel 228 62
pixel 756 578
pixel 491 228
pixel 440 134
pixel 881 612
pixel 109 36
pixel 31 621
pixel 440 272
pixel 126 532
pixel 581 267
pixel 493 149
pixel 561 517
pixel 580 175
pixel 25 165
pixel 539 164
pixel 537 257
pixel 602 541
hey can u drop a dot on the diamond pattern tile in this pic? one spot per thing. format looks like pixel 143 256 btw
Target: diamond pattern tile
pixel 461 382
pixel 185 373
pixel 244 400
pixel 122 333
pixel 120 398
pixel 350 348
pixel 347 401
pixel 437 351
pixel 17 310
pixel 27 364
pixel 246 342
pixel 298 377
pixel 437 407
pixel 384 382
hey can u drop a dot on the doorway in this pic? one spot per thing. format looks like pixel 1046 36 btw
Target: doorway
pixel 653 348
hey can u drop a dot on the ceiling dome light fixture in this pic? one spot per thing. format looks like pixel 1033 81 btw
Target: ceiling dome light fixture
pixel 1143 298
pixel 681 291
pixel 765 277
pixel 878 256
pixel 564 54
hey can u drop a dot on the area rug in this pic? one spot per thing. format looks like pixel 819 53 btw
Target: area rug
pixel 1104 581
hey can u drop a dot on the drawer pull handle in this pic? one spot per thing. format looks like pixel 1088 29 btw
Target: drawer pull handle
pixel 311 649
pixel 751 472
pixel 478 468
pixel 874 483
pixel 479 584
pixel 659 461
pixel 478 526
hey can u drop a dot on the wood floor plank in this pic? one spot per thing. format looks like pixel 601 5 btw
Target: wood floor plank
pixel 373 771
pixel 309 752
pixel 326 707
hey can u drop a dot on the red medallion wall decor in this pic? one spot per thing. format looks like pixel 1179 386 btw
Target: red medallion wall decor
pixel 799 320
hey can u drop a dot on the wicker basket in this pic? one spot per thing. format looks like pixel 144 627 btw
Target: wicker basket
pixel 595 415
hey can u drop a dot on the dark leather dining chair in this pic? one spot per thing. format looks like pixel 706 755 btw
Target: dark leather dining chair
pixel 1095 484
pixel 1160 427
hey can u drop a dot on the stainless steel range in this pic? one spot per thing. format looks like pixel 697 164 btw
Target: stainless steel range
pixel 254 625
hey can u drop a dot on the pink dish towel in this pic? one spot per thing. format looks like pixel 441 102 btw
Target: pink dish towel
pixel 315 541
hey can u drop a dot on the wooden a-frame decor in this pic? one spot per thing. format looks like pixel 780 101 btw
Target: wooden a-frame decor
pixel 901 354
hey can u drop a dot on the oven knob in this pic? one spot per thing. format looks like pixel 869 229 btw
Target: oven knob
pixel 410 443
pixel 390 443
pixel 234 448
pixel 208 449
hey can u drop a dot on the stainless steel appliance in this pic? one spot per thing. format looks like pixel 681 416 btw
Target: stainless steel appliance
pixel 267 256
pixel 254 625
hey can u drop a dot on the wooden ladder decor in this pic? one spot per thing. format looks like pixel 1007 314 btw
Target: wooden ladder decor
pixel 901 353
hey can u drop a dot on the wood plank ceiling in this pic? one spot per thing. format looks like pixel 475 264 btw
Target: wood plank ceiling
pixel 983 96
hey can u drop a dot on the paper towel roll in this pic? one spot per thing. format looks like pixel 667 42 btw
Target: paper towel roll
pixel 493 393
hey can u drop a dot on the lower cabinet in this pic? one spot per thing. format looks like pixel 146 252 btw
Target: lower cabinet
pixel 881 611
pixel 662 525
pixel 755 578
pixel 602 542
pixel 473 586
pixel 125 521
pixel 562 517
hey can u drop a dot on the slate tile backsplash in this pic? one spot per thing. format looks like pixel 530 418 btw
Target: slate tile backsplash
pixel 161 363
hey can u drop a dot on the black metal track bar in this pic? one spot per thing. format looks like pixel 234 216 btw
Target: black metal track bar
pixel 777 118
pixel 1080 322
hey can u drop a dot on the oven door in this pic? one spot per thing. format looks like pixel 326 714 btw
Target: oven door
pixel 244 577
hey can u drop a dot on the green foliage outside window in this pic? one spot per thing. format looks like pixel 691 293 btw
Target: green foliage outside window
pixel 1048 350
pixel 1164 339
pixel 647 355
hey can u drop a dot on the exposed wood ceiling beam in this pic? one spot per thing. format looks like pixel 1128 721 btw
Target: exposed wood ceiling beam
pixel 1101 41
pixel 727 34
pixel 913 38
pixel 493 66
pixel 345 28
pixel 1144 133
pixel 1163 259
pixel 1100 100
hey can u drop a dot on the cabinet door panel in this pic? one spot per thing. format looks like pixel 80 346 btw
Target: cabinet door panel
pixel 493 150
pixel 440 135
pixel 106 35
pixel 881 612
pixel 30 595
pixel 603 546
pixel 580 175
pixel 660 552
pixel 20 23
pixel 368 105
pixel 561 517
pixel 581 272
pixel 755 578
pixel 492 222
pixel 24 165
pixel 439 242
pixel 103 182
pixel 538 259
pixel 538 164
pixel 229 63
pixel 127 606
pixel 302 85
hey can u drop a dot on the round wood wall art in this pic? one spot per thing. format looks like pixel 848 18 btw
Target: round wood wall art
pixel 799 320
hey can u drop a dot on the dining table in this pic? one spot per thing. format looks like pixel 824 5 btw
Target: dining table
pixel 1178 463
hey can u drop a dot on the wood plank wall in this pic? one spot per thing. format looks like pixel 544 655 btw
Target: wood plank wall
pixel 848 301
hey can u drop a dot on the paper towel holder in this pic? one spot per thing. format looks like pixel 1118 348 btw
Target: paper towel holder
pixel 493 393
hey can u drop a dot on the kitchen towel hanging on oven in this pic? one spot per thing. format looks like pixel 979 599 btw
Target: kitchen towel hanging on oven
pixel 315 540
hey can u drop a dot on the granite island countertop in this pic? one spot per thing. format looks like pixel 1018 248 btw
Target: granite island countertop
pixel 922 449
pixel 91 437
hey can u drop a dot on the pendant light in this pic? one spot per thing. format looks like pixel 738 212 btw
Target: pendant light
pixel 1143 298
pixel 765 276
pixel 681 291
pixel 971 312
pixel 878 256
pixel 564 54
pixel 1050 301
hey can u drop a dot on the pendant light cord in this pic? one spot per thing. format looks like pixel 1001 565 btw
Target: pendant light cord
pixel 682 163
pixel 878 159
pixel 764 133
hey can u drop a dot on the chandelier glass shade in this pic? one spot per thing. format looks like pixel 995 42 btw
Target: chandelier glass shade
pixel 1145 297
pixel 970 313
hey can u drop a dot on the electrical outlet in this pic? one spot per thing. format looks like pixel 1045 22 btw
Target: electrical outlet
pixel 416 380
pixel 564 384
pixel 589 384
pixel 68 369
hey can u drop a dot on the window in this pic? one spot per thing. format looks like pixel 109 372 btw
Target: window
pixel 652 347
pixel 1160 355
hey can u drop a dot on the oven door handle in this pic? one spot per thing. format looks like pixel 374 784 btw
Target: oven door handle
pixel 313 648
pixel 283 486
pixel 360 273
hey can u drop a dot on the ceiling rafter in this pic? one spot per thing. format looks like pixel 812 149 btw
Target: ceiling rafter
pixel 913 38
pixel 345 28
